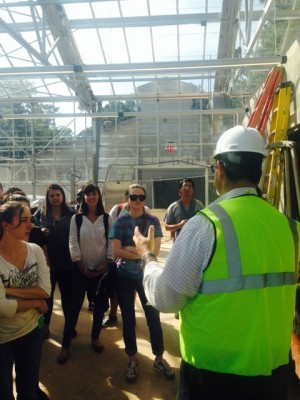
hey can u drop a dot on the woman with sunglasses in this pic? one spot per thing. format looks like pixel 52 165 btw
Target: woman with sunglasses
pixel 24 286
pixel 54 220
pixel 130 280
pixel 117 211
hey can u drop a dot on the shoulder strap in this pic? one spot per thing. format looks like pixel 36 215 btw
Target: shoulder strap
pixel 78 219
pixel 120 208
pixel 105 221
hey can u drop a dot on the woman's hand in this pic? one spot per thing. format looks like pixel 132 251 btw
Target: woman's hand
pixel 42 306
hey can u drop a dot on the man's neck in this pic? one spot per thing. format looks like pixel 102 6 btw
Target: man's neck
pixel 186 201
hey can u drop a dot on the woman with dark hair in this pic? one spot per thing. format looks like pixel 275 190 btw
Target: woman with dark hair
pixel 91 252
pixel 6 196
pixel 24 286
pixel 54 219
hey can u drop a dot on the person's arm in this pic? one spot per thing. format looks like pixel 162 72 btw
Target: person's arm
pixel 169 288
pixel 175 227
pixel 27 293
pixel 73 240
pixel 110 251
pixel 127 252
pixel 113 212
pixel 38 304
pixel 9 307
pixel 172 219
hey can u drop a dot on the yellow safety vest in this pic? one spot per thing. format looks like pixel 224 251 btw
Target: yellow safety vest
pixel 240 322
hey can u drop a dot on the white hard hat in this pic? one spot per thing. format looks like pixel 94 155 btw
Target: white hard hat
pixel 240 139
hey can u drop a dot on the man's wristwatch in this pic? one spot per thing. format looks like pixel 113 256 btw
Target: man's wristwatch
pixel 149 257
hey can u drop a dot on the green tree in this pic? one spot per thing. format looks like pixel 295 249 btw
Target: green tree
pixel 19 137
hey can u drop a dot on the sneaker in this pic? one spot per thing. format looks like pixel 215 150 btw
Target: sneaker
pixel 91 306
pixel 41 395
pixel 133 370
pixel 109 321
pixel 164 369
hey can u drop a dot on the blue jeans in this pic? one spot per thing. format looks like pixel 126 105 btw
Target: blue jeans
pixel 25 353
pixel 126 294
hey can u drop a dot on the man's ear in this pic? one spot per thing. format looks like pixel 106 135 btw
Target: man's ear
pixel 220 169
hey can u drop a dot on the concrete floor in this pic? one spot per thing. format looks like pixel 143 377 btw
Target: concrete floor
pixel 92 376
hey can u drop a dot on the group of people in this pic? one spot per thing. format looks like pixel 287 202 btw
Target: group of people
pixel 73 249
pixel 230 274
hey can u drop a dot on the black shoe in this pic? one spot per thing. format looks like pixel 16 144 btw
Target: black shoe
pixel 63 356
pixel 41 395
pixel 91 306
pixel 109 321
pixel 74 334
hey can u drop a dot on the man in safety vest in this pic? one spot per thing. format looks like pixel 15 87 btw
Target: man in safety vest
pixel 232 274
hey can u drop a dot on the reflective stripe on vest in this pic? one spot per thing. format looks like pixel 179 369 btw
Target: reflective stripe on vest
pixel 236 280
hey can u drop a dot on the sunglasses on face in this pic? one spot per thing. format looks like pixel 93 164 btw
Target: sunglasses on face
pixel 135 197
pixel 213 168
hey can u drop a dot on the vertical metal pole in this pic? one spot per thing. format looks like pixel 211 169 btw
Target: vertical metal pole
pixel 73 174
pixel 33 159
pixel 97 134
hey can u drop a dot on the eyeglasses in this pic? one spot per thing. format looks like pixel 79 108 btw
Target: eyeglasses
pixel 135 197
pixel 213 168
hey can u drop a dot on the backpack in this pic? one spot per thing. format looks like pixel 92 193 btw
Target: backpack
pixel 78 220
pixel 120 208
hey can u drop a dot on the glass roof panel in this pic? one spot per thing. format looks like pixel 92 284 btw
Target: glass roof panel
pixel 133 8
pixel 113 34
pixel 78 11
pixel 114 45
pixel 191 42
pixel 89 46
pixel 106 9
pixel 165 43
pixel 162 7
pixel 139 44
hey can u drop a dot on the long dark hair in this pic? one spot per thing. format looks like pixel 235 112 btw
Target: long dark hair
pixel 8 211
pixel 91 188
pixel 64 207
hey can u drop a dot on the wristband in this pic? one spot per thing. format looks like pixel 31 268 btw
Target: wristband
pixel 147 256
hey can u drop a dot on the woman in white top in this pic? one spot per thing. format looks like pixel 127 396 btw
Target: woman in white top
pixel 91 252
pixel 24 286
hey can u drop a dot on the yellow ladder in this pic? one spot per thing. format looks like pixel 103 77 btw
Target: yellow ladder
pixel 274 166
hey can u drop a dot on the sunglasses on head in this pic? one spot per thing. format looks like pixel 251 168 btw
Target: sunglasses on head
pixel 135 197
